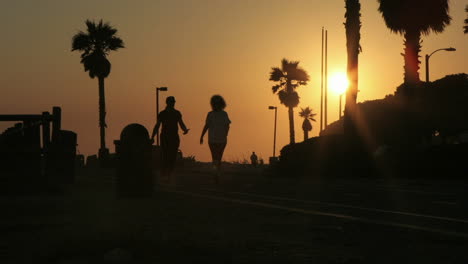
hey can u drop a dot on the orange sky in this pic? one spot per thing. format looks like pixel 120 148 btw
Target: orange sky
pixel 198 48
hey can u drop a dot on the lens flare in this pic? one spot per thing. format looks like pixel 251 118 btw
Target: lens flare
pixel 339 82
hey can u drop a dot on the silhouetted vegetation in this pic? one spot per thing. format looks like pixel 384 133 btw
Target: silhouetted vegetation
pixel 413 18
pixel 308 116
pixel 289 77
pixel 353 48
pixel 390 126
pixel 96 43
pixel 466 20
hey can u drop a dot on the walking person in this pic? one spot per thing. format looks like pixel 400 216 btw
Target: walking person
pixel 217 124
pixel 170 119
pixel 254 159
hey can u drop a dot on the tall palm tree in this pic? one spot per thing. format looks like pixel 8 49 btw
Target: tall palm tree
pixel 413 18
pixel 466 20
pixel 353 37
pixel 308 116
pixel 288 78
pixel 96 43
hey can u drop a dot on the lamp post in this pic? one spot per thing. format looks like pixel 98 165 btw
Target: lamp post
pixel 274 133
pixel 427 60
pixel 164 89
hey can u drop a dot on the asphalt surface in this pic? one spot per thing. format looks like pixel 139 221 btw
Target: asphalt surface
pixel 247 218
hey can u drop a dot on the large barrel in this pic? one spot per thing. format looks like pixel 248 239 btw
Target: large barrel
pixel 134 156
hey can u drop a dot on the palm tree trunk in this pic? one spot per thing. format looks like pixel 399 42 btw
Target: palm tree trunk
pixel 102 118
pixel 291 125
pixel 306 134
pixel 353 36
pixel 412 49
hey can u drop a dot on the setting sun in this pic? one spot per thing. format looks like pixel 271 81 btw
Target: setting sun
pixel 339 82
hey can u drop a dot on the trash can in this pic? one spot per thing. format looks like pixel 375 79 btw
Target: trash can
pixel 134 176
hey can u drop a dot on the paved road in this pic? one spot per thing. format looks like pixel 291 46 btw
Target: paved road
pixel 248 218
pixel 349 208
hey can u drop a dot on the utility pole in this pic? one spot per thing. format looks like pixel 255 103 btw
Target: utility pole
pixel 321 86
pixel 326 79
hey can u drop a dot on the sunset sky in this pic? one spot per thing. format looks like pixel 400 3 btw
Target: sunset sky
pixel 198 48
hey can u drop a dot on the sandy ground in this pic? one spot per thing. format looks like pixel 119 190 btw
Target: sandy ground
pixel 88 224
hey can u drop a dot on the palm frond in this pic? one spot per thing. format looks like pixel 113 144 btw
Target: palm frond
pixel 115 43
pixel 298 74
pixel 307 113
pixel 96 42
pixel 276 74
pixel 275 88
pixel 81 41
pixel 419 15
pixel 90 26
pixel 290 67
pixel 284 64
pixel 466 21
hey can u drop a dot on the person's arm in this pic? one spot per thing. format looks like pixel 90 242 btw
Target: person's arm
pixel 203 133
pixel 156 129
pixel 228 124
pixel 205 128
pixel 182 125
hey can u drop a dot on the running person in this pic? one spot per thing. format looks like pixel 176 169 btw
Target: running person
pixel 170 119
pixel 217 124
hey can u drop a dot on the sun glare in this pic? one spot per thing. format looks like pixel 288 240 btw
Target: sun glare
pixel 339 82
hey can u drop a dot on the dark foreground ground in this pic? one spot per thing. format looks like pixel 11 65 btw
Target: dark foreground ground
pixel 306 220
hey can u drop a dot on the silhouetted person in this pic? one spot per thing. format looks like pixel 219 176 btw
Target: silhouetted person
pixel 217 124
pixel 254 159
pixel 170 119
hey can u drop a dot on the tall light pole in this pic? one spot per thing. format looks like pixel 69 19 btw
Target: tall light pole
pixel 427 60
pixel 321 86
pixel 326 81
pixel 157 108
pixel 274 132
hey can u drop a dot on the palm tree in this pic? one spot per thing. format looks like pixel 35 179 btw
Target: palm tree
pixel 353 37
pixel 288 77
pixel 96 43
pixel 308 116
pixel 466 20
pixel 411 18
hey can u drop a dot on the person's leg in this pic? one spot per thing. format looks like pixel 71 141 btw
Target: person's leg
pixel 172 156
pixel 163 168
pixel 217 150
pixel 219 153
pixel 213 150
pixel 164 156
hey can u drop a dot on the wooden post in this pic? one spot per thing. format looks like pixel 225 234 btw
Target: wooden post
pixel 45 131
pixel 56 122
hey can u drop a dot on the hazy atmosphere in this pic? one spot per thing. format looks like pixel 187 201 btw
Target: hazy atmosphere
pixel 197 49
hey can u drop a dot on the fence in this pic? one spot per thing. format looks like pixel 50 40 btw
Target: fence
pixel 32 156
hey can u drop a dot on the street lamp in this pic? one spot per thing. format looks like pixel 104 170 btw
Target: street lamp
pixel 274 133
pixel 163 89
pixel 427 60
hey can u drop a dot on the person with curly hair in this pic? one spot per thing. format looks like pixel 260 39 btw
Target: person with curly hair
pixel 217 124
